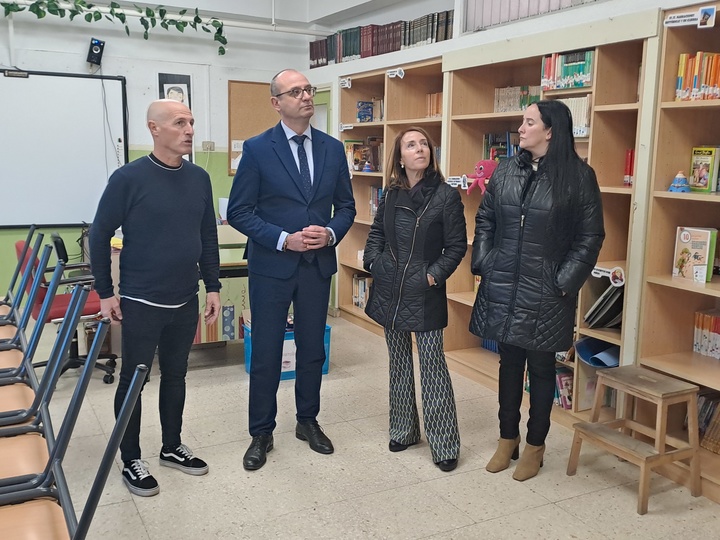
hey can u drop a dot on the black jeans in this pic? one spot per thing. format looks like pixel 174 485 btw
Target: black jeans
pixel 171 331
pixel 541 369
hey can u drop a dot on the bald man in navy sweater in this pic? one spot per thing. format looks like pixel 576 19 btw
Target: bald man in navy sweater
pixel 164 205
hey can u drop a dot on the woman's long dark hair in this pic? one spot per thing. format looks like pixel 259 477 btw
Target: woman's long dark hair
pixel 397 178
pixel 561 162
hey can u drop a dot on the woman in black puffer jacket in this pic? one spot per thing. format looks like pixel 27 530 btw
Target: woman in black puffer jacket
pixel 538 234
pixel 416 242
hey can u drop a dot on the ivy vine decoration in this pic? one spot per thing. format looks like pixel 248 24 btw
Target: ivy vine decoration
pixel 149 18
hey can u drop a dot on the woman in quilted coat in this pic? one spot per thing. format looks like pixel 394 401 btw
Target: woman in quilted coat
pixel 538 233
pixel 416 241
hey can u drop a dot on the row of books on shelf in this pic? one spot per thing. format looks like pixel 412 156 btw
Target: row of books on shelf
pixel 694 255
pixel 580 110
pixel 563 386
pixel 567 70
pixel 706 337
pixel 361 290
pixel 709 420
pixel 433 104
pixel 364 155
pixel 500 145
pixel 516 98
pixel 698 76
pixel 376 193
pixel 373 39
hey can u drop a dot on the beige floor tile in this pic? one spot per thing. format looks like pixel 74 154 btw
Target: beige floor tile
pixel 362 490
pixel 546 522
pixel 408 512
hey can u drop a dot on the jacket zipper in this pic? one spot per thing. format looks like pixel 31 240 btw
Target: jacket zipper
pixel 407 264
pixel 523 211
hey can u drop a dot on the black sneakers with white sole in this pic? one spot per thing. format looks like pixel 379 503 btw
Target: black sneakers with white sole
pixel 138 479
pixel 182 458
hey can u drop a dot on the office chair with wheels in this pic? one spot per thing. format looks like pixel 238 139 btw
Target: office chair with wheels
pixel 59 307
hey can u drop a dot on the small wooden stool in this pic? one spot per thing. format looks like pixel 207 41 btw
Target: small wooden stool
pixel 663 391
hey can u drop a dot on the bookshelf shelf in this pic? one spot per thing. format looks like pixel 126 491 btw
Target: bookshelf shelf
pixel 422 122
pixel 710 289
pixel 611 335
pixel 357 265
pixel 617 190
pixel 466 298
pixel 617 107
pixel 711 104
pixel 362 174
pixel 512 115
pixel 689 366
pixel 567 92
pixel 712 198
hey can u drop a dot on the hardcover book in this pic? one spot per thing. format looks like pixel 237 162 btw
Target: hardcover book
pixel 704 169
pixel 694 253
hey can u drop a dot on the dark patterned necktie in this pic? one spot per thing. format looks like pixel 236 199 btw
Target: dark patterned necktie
pixel 304 167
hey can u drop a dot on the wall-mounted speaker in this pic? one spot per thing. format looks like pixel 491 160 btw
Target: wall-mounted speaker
pixel 95 51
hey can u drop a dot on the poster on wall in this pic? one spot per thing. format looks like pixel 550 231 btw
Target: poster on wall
pixel 178 88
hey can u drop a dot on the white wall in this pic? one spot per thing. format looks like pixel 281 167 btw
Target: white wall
pixel 61 46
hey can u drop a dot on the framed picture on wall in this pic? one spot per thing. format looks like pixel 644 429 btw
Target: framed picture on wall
pixel 177 87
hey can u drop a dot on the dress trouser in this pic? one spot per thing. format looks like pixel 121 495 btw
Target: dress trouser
pixel 438 399
pixel 541 370
pixel 171 331
pixel 270 300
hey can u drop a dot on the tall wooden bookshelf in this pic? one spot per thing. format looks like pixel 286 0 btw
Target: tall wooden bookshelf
pixel 624 68
pixel 666 326
pixel 405 104
pixel 615 123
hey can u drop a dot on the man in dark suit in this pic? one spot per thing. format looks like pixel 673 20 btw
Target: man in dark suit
pixel 288 182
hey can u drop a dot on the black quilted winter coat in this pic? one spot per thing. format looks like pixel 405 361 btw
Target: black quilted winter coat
pixel 410 238
pixel 531 272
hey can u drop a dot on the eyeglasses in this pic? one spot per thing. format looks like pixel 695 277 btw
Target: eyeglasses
pixel 298 92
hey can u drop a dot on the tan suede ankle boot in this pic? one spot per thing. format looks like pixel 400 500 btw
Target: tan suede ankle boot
pixel 530 462
pixel 507 449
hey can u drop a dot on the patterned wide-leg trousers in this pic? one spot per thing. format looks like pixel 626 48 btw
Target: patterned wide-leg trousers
pixel 438 399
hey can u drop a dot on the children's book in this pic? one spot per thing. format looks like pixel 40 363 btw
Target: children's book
pixel 694 253
pixel 704 169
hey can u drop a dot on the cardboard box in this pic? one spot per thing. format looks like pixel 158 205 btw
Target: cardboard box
pixel 288 367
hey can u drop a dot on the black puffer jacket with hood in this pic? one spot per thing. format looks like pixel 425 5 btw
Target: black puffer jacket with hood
pixel 414 234
pixel 531 267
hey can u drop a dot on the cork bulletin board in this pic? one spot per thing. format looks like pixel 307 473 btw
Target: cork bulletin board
pixel 250 113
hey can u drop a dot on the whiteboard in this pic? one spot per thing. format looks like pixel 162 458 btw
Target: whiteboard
pixel 61 137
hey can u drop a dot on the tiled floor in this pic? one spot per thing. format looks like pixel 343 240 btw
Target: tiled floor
pixel 362 490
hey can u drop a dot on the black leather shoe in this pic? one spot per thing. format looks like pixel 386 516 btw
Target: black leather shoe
pixel 395 446
pixel 255 456
pixel 447 465
pixel 313 433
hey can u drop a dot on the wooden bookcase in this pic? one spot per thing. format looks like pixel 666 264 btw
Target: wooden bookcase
pixel 668 307
pixel 622 116
pixel 615 108
pixel 405 104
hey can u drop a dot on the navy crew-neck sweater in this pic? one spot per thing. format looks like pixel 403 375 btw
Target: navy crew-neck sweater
pixel 169 232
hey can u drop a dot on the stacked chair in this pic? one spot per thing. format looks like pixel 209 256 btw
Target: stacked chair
pixel 7 313
pixel 35 500
pixel 38 292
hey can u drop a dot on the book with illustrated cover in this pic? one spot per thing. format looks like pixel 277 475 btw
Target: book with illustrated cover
pixel 694 253
pixel 704 165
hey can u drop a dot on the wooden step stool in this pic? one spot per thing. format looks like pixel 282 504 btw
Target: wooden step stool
pixel 653 387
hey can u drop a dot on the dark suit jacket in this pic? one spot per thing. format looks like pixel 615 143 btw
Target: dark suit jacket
pixel 267 197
